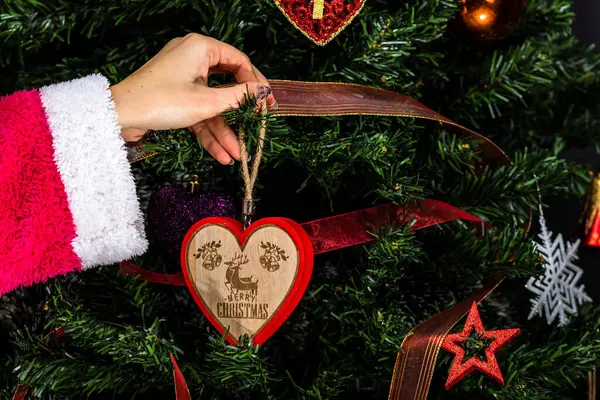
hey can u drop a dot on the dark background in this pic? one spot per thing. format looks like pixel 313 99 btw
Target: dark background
pixel 564 215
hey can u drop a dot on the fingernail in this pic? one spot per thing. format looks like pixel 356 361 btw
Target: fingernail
pixel 263 92
pixel 231 162
pixel 249 157
pixel 275 106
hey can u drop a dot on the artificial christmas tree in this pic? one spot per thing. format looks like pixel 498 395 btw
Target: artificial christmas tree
pixel 531 94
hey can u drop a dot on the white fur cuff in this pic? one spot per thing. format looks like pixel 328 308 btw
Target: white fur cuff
pixel 91 157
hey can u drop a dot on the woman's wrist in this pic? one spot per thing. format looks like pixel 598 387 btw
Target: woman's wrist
pixel 128 130
pixel 120 105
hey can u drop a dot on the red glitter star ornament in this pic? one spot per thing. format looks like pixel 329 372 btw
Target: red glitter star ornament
pixel 320 20
pixel 461 368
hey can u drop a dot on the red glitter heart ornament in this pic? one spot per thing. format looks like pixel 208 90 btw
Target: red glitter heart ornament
pixel 320 20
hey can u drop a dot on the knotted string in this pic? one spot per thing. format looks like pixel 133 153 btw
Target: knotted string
pixel 250 176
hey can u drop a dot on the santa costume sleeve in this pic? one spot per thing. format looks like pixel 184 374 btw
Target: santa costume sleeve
pixel 67 194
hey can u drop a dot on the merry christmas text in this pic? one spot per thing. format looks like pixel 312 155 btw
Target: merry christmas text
pixel 243 310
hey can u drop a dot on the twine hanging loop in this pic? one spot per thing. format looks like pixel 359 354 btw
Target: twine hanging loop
pixel 249 205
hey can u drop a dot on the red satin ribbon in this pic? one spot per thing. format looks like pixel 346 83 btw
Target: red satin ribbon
pixel 21 392
pixel 181 389
pixel 129 268
pixel 345 230
pixel 351 229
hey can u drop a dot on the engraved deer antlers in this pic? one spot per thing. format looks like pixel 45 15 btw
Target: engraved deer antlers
pixel 238 260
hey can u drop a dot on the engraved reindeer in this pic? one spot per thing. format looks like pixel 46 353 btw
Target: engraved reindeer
pixel 211 259
pixel 271 257
pixel 233 279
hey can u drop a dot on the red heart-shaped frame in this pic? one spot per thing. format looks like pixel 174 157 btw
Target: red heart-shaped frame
pixel 305 265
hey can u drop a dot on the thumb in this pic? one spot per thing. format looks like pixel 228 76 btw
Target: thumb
pixel 227 98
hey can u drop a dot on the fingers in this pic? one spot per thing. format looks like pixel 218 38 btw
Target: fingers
pixel 271 101
pixel 211 144
pixel 225 136
pixel 229 98
pixel 229 59
pixel 226 58
pixel 132 134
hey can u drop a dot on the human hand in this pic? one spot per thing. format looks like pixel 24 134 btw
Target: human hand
pixel 170 92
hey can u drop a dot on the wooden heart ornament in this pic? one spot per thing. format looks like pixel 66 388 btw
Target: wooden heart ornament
pixel 320 20
pixel 247 281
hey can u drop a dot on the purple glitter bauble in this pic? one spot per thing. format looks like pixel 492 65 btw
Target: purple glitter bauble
pixel 173 210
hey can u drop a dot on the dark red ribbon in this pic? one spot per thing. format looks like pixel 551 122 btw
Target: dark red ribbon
pixel 21 392
pixel 181 389
pixel 351 229
pixel 345 230
pixel 129 268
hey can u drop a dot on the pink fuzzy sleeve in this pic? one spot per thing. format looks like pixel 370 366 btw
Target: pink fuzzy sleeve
pixel 36 227
pixel 67 195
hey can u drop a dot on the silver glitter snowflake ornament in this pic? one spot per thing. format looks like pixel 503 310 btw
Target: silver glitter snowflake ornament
pixel 557 291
